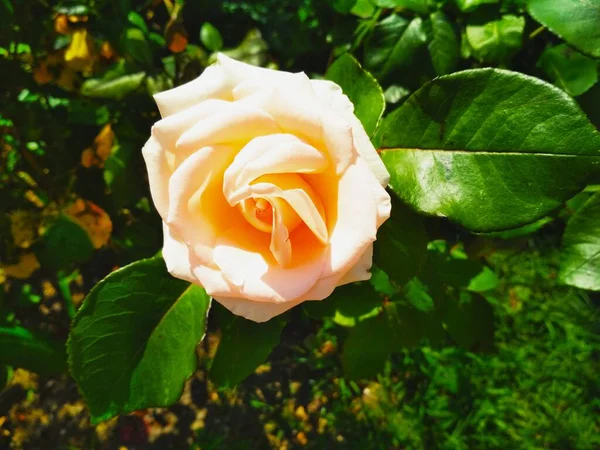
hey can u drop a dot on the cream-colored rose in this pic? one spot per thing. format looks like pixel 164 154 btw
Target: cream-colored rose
pixel 270 190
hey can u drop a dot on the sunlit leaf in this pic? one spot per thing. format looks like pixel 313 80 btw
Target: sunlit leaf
pixel 568 69
pixel 576 21
pixel 361 88
pixel 244 346
pixel 487 149
pixel 580 255
pixel 133 342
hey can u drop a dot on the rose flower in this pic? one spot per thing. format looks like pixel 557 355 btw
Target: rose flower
pixel 269 189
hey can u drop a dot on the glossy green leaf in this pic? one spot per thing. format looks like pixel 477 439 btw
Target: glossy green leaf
pixel 133 342
pixel 348 305
pixel 418 6
pixel 568 69
pixel 211 37
pixel 444 46
pixel 361 88
pixel 401 246
pixel 112 88
pixel 64 244
pixel 575 21
pixel 489 149
pixel 470 5
pixel 136 20
pixel 136 46
pixel 244 346
pixel 22 348
pixel 580 255
pixel 495 41
pixel 394 44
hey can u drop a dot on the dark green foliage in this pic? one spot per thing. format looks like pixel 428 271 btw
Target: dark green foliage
pixel 133 343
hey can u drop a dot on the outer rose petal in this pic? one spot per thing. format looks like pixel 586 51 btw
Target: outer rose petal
pixel 258 312
pixel 158 175
pixel 177 256
pixel 331 94
pixel 212 83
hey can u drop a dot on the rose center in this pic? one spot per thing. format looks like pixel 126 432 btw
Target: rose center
pixel 259 213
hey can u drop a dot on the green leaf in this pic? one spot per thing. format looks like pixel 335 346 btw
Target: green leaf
pixel 252 50
pixel 371 341
pixel 138 21
pixel 444 46
pixel 6 374
pixel 343 6
pixel 590 103
pixel 133 342
pixel 470 5
pixel 453 268
pixel 418 6
pixel 394 44
pixel 496 41
pixel 469 320
pixel 112 88
pixel 348 305
pixel 367 348
pixel 568 69
pixel 363 8
pixel 401 246
pixel 244 346
pixel 83 111
pixel 136 47
pixel 575 21
pixel 22 348
pixel 487 149
pixel 361 88
pixel 418 295
pixel 211 37
pixel 580 255
pixel 521 231
pixel 64 244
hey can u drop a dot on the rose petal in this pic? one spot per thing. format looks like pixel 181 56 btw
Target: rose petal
pixel 332 95
pixel 177 256
pixel 257 312
pixel 297 111
pixel 258 276
pixel 299 195
pixel 170 129
pixel 236 124
pixel 361 270
pixel 158 175
pixel 359 205
pixel 277 153
pixel 197 207
pixel 212 83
